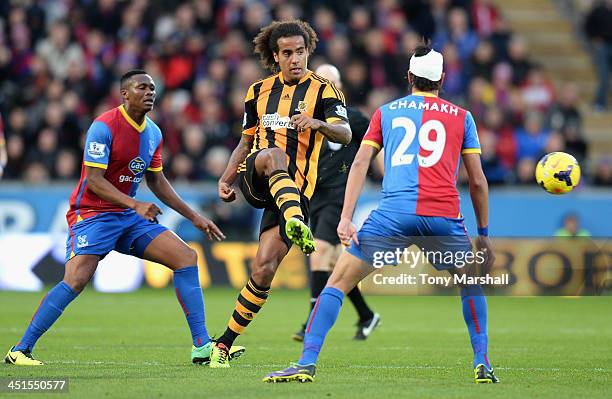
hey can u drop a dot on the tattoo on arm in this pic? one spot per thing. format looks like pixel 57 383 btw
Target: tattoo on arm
pixel 238 156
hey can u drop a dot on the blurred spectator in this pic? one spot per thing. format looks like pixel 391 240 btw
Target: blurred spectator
pixel 455 74
pixel 15 148
pixel 502 84
pixel 483 61
pixel 182 168
pixel 439 12
pixel 484 16
pixel 57 51
pixel 505 140
pixel 599 31
pixel 46 150
pixel 555 143
pixel 538 92
pixel 565 118
pixel 215 163
pixel 517 56
pixel 36 174
pixel 603 172
pixel 458 33
pixel 525 171
pixel 571 227
pixel 532 138
pixel 66 167
pixel 500 37
pixel 356 82
pixel 492 165
pixel 480 97
pixel 380 65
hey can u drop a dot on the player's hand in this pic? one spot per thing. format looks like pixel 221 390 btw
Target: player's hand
pixel 347 231
pixel 208 227
pixel 226 192
pixel 147 210
pixel 484 244
pixel 301 122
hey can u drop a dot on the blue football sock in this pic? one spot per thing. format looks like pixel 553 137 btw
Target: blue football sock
pixel 189 294
pixel 49 310
pixel 321 320
pixel 475 316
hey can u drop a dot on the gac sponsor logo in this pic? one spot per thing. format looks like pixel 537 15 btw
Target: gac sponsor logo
pixel 137 165
pixel 129 179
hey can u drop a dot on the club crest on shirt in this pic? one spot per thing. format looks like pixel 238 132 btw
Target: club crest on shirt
pixel 96 150
pixel 302 106
pixel 137 165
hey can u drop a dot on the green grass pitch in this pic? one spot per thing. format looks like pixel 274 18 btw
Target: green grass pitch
pixel 138 345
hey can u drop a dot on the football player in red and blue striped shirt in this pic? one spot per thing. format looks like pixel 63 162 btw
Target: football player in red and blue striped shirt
pixel 123 146
pixel 424 138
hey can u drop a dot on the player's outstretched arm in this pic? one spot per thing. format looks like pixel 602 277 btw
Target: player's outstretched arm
pixel 226 192
pixel 161 187
pixel 354 186
pixel 479 192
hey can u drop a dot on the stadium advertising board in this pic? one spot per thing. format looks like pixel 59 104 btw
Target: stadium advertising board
pixel 524 267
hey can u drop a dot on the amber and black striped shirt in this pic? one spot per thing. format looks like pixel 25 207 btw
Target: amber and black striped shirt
pixel 269 106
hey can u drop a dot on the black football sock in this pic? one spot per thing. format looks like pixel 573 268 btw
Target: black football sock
pixel 365 313
pixel 318 279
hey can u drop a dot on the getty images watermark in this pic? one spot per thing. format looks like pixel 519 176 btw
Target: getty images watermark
pixel 531 266
pixel 464 264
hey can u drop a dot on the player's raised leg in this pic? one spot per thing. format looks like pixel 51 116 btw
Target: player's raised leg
pixel 272 249
pixel 349 271
pixel 77 274
pixel 169 250
pixel 272 163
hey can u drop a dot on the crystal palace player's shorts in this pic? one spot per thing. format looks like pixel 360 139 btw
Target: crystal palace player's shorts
pixel 125 232
pixel 256 191
pixel 383 234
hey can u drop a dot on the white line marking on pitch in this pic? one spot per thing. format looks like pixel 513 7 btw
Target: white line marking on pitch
pixel 355 366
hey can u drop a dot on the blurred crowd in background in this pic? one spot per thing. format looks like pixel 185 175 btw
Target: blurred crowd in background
pixel 60 62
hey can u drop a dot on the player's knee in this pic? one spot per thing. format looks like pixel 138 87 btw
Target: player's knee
pixel 274 159
pixel 189 257
pixel 336 281
pixel 77 283
pixel 264 273
pixel 319 263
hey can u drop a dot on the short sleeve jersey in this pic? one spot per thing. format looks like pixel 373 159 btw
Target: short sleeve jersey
pixel 125 150
pixel 424 137
pixel 269 106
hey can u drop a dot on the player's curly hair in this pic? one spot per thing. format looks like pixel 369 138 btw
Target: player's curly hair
pixel 419 83
pixel 266 42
